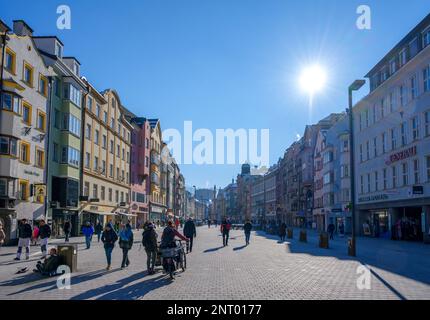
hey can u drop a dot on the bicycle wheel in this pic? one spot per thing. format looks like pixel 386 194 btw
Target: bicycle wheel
pixel 184 261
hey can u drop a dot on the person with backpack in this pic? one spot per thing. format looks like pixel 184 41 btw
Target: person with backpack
pixel 125 243
pixel 247 227
pixel 25 232
pixel 190 232
pixel 88 232
pixel 225 230
pixel 44 234
pixel 149 241
pixel 109 237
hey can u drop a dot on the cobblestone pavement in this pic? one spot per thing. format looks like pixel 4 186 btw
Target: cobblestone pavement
pixel 265 269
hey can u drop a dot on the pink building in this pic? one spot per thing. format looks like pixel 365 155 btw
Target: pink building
pixel 140 162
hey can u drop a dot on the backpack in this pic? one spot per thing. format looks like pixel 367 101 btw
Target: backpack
pixel 148 239
pixel 168 237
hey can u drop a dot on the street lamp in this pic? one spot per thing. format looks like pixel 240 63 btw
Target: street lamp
pixel 355 86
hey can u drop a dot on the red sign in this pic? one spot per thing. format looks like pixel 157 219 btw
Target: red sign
pixel 401 155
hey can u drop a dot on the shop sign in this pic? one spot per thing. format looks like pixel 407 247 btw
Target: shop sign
pixel 377 197
pixel 95 208
pixel 417 190
pixel 401 155
pixel 40 190
pixel 31 173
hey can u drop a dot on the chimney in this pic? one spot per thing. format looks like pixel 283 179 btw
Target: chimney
pixel 21 28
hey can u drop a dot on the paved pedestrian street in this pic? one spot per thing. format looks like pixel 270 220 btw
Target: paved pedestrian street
pixel 265 269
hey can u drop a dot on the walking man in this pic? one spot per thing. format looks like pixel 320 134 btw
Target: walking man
pixel 25 232
pixel 109 237
pixel 67 228
pixel 88 231
pixel 44 234
pixel 247 227
pixel 125 243
pixel 98 230
pixel 330 230
pixel 209 223
pixel 282 231
pixel 149 241
pixel 225 230
pixel 190 232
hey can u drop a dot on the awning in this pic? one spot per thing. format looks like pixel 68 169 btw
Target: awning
pixel 126 214
pixel 100 213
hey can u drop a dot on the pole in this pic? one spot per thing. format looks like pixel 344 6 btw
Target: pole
pixel 351 249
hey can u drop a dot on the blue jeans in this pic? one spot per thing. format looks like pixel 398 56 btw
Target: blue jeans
pixel 88 241
pixel 108 251
pixel 247 235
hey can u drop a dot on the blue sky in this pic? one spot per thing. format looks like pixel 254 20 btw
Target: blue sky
pixel 223 63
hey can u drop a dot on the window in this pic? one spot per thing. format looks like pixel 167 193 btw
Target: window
pixel 427 123
pixel 384 177
pixel 72 124
pixel 367 150
pixel 96 164
pixel 3 187
pixel 8 146
pixel 123 154
pixel 58 50
pixel 43 85
pixel 413 85
pixel 344 171
pixel 393 66
pixel 403 133
pixel 328 178
pixel 374 118
pixel 90 103
pixel 111 170
pixel 111 147
pixel 57 119
pixel 367 118
pixel 426 78
pixel 102 192
pixel 393 139
pixel 57 87
pixel 128 157
pixel 24 154
pixel 368 182
pixel 73 94
pixel 426 37
pixel 391 101
pixel 105 117
pixel 361 153
pixel 70 156
pixel 87 189
pixel 428 167
pixel 96 137
pixel 405 173
pixel 10 102
pixel 104 142
pixel 41 120
pixel 112 123
pixel 403 57
pixel 376 181
pixel 147 161
pixel 55 152
pixel 26 113
pixel 122 175
pixel 27 76
pixel 416 171
pixel 382 108
pixel 360 122
pixel 110 194
pixel 88 132
pixel 415 128
pixel 87 160
pixel 95 191
pixel 401 95
pixel 375 148
pixel 103 171
pixel 384 142
pixel 97 110
pixel 24 190
pixel 116 196
pixel 361 184
pixel 10 63
pixel 117 173
pixel 40 158
pixel 147 143
pixel 394 176
pixel 122 196
pixel 117 151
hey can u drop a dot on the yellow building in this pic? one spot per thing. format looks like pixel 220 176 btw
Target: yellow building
pixel 105 159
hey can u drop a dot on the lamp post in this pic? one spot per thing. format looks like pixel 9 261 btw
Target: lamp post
pixel 356 85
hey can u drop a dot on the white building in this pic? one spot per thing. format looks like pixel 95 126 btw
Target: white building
pixel 392 142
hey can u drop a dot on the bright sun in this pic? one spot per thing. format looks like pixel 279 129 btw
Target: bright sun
pixel 312 79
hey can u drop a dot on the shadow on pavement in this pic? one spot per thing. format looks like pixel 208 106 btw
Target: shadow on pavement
pixel 213 249
pixel 240 248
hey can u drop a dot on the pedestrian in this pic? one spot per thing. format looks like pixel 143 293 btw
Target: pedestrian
pixel 98 230
pixel 225 230
pixel 330 230
pixel 67 228
pixel 282 231
pixel 44 234
pixel 209 223
pixel 2 235
pixel 247 227
pixel 149 241
pixel 35 235
pixel 190 232
pixel 125 243
pixel 24 236
pixel 109 237
pixel 88 231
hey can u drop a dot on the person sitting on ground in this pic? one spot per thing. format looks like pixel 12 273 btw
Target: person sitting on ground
pixel 50 265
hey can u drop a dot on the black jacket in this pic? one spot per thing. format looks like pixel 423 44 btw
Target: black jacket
pixel 98 228
pixel 67 227
pixel 247 227
pixel 109 238
pixel 44 231
pixel 190 229
pixel 25 231
pixel 149 239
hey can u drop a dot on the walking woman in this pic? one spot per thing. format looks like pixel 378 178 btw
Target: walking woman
pixel 109 237
pixel 125 243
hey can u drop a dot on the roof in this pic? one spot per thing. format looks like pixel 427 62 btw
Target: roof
pixel 153 122
pixel 24 23
pixel 3 26
pixel 47 37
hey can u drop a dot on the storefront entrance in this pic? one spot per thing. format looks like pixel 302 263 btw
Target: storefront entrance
pixel 407 224
pixel 59 217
